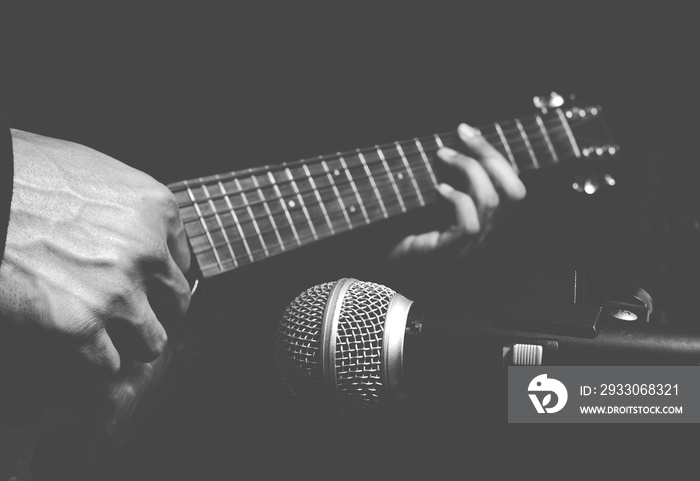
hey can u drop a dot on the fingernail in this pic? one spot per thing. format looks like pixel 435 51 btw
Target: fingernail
pixel 445 189
pixel 447 153
pixel 467 131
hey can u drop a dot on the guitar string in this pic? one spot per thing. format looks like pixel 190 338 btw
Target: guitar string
pixel 306 225
pixel 572 123
pixel 517 144
pixel 356 168
pixel 305 234
pixel 334 212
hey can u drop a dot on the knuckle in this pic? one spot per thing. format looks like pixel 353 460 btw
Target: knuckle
pixel 157 346
pixel 490 201
pixel 109 365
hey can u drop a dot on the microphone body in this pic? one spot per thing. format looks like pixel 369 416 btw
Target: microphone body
pixel 352 345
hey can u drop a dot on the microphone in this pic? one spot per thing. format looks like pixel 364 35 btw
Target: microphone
pixel 351 346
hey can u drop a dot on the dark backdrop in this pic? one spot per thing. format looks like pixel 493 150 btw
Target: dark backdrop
pixel 185 91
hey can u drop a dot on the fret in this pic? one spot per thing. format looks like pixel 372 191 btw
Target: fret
pixel 372 183
pixel 339 198
pixel 221 226
pixel 308 197
pixel 263 215
pixel 330 197
pixel 404 183
pixel 321 204
pixel 390 176
pixel 527 142
pixel 420 172
pixel 302 204
pixel 540 124
pixel 354 189
pixel 206 231
pixel 570 135
pixel 438 141
pixel 399 149
pixel 236 222
pixel 255 239
pixel 506 146
pixel 428 165
pixel 286 211
pixel 539 146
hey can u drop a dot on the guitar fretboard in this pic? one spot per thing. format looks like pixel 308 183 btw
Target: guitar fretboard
pixel 241 217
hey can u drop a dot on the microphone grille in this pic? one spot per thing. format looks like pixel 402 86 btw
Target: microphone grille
pixel 298 343
pixel 358 344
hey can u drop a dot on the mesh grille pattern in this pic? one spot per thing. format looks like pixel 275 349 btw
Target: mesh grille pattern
pixel 359 344
pixel 298 343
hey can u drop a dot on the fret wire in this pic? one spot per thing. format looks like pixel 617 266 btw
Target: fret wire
pixel 206 230
pixel 264 169
pixel 428 166
pixel 318 198
pixel 438 141
pixel 263 232
pixel 354 188
pixel 252 216
pixel 567 128
pixel 236 222
pixel 338 215
pixel 540 123
pixel 284 207
pixel 527 142
pixel 327 174
pixel 410 172
pixel 374 186
pixel 269 213
pixel 301 204
pixel 509 152
pixel 221 225
pixel 341 202
pixel 489 137
pixel 391 178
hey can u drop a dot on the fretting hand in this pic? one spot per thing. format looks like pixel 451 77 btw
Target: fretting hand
pixel 479 186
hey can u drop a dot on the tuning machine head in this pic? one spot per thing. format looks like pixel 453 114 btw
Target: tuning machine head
pixel 551 101
pixel 592 183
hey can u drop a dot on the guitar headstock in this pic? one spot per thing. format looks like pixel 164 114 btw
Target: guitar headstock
pixel 589 136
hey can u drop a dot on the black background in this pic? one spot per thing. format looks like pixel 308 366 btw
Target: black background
pixel 189 90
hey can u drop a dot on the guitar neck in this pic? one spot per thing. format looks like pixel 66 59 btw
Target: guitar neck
pixel 242 217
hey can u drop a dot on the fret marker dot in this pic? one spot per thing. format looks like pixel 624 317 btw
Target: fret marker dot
pixel 353 209
pixel 336 172
pixel 400 176
pixel 291 204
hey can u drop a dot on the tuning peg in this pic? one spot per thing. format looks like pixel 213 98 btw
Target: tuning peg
pixel 551 101
pixel 592 183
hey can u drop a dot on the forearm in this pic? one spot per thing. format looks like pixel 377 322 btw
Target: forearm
pixel 6 180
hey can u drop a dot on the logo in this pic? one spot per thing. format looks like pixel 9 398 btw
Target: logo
pixel 543 385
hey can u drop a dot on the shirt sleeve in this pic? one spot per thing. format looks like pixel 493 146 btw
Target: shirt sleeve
pixel 6 180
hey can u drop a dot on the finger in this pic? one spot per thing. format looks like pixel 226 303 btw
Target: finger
pixel 473 178
pixel 101 353
pixel 467 219
pixel 141 336
pixel 465 229
pixel 500 170
pixel 168 291
pixel 177 244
